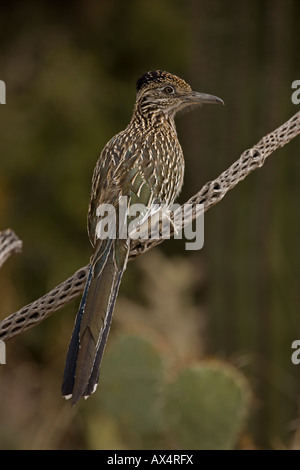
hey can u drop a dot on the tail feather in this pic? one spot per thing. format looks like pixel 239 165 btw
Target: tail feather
pixel 94 378
pixel 71 360
pixel 93 320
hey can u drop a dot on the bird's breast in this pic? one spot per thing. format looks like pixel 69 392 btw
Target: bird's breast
pixel 147 167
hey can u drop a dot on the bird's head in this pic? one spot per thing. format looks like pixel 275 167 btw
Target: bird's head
pixel 162 92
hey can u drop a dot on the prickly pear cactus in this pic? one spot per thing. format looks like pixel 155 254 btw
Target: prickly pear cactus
pixel 206 406
pixel 131 383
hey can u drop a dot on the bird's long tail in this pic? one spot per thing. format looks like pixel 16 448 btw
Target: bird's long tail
pixel 93 320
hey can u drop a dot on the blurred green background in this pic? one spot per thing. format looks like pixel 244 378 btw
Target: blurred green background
pixel 230 309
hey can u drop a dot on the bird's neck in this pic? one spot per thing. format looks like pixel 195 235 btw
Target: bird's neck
pixel 153 119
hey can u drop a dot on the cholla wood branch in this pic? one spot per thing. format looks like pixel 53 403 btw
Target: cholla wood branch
pixel 9 244
pixel 211 193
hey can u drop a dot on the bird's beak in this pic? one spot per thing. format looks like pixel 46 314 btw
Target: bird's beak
pixel 195 97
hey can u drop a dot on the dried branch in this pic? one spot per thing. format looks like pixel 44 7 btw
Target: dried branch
pixel 9 244
pixel 211 193
pixel 41 308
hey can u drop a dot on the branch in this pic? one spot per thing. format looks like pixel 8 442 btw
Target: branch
pixel 211 193
pixel 37 311
pixel 9 244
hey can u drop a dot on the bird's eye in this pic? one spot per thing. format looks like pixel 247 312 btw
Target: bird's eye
pixel 169 90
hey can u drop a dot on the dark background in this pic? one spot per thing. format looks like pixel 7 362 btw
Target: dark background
pixel 70 70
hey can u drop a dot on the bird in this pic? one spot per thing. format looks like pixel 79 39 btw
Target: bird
pixel 144 164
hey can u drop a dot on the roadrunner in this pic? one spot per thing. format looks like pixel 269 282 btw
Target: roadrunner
pixel 145 164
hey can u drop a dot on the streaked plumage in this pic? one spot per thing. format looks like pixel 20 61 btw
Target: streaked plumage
pixel 145 163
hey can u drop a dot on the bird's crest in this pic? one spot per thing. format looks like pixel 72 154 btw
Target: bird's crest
pixel 155 77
